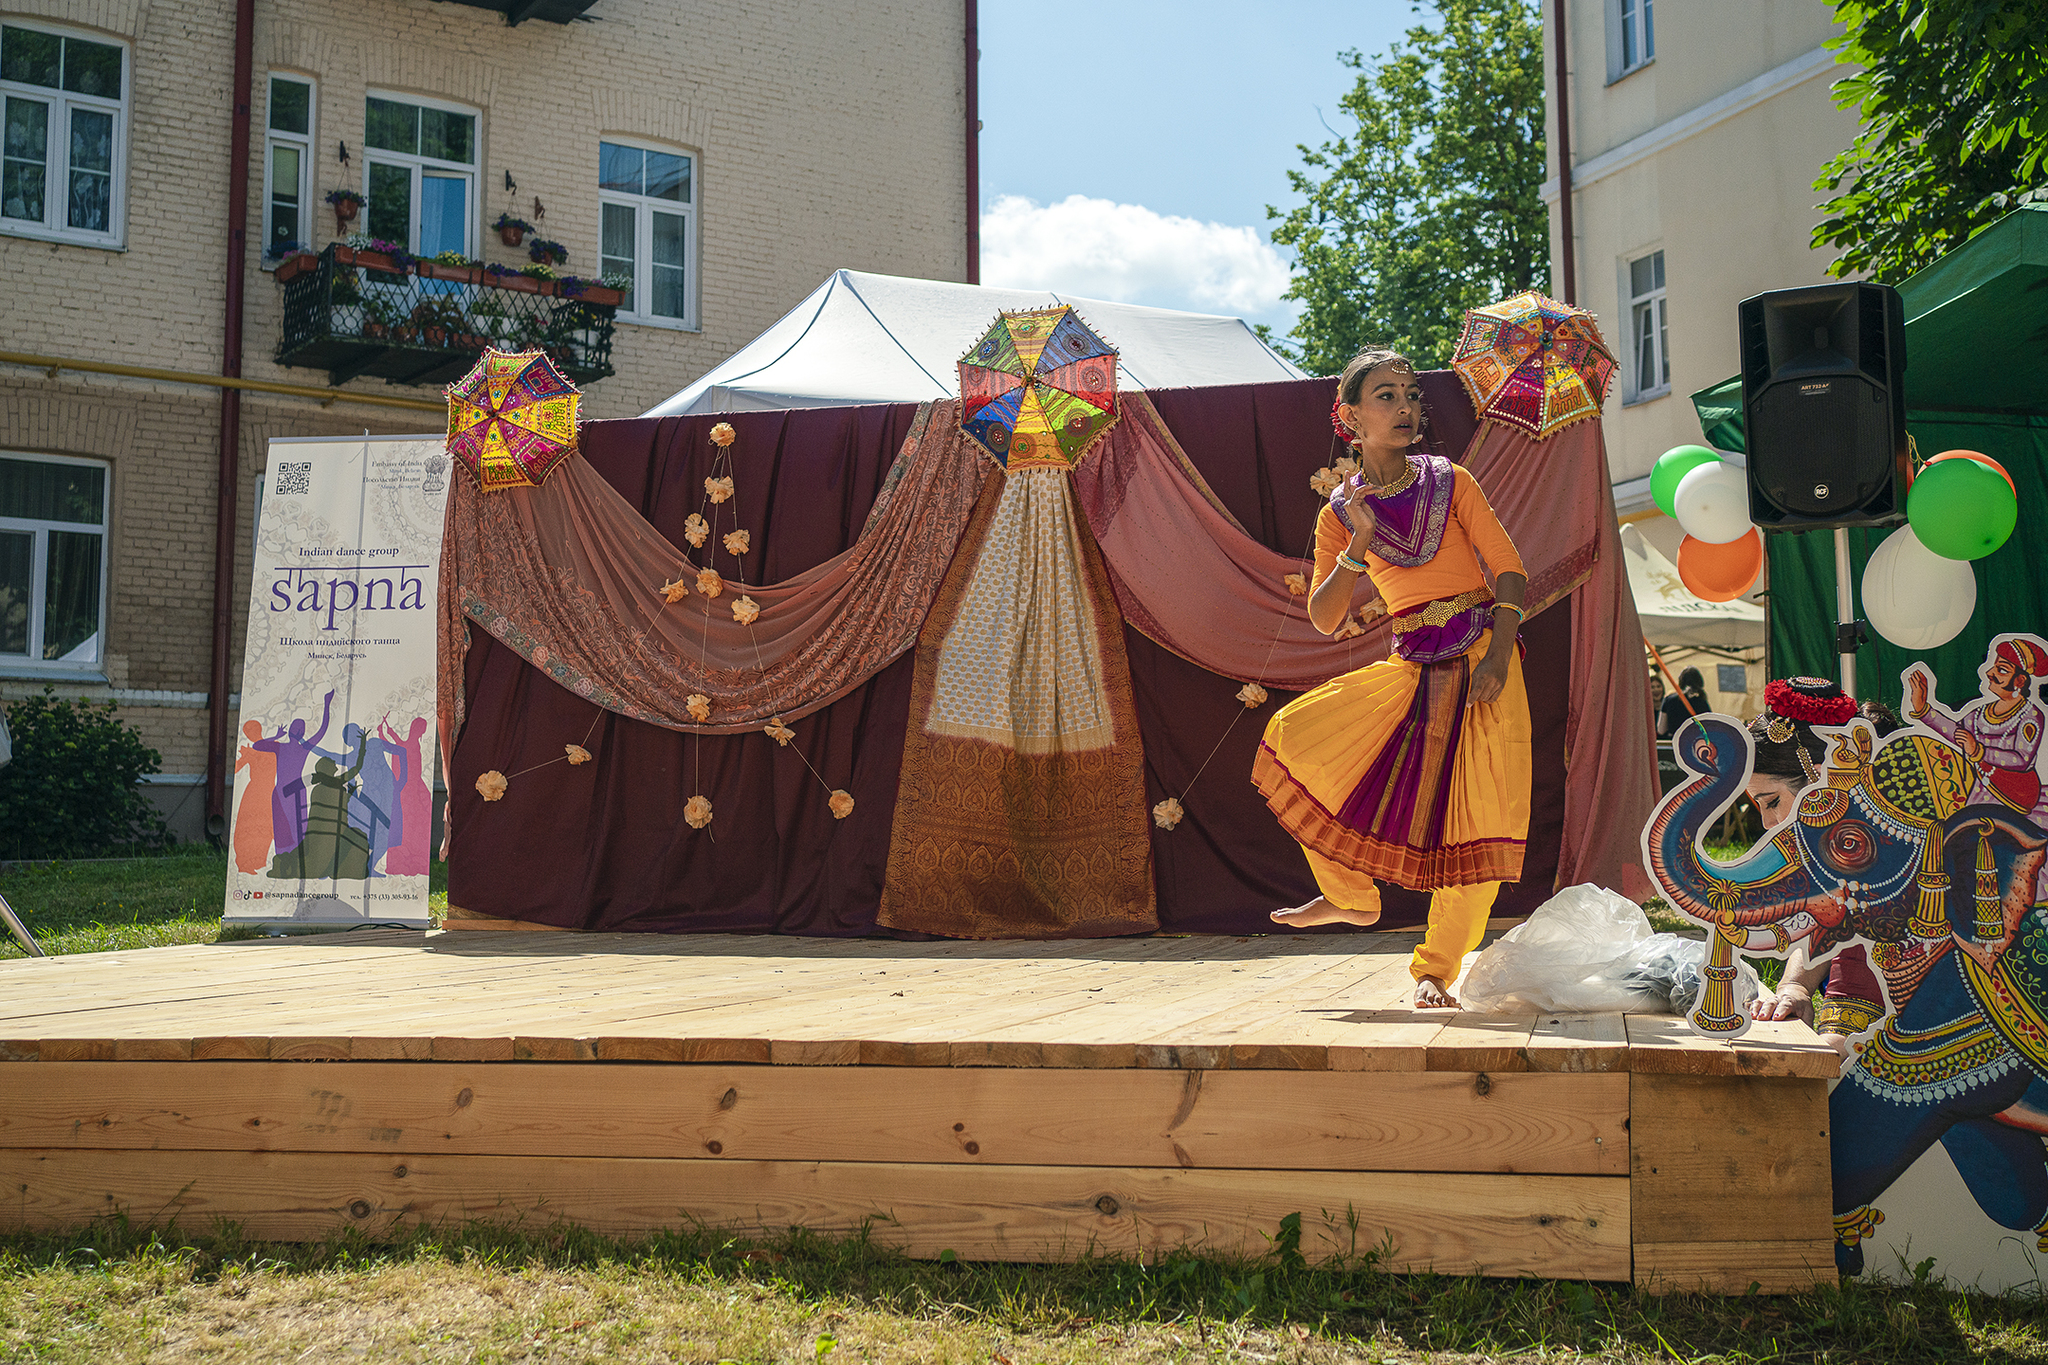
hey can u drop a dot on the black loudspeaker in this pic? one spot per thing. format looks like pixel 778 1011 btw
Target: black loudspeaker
pixel 1824 406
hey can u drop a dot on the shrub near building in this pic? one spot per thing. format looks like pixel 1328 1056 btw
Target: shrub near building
pixel 73 789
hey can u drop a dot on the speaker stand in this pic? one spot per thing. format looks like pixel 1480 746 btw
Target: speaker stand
pixel 1844 610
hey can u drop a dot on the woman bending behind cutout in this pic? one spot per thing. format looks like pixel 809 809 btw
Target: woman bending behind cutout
pixel 1414 770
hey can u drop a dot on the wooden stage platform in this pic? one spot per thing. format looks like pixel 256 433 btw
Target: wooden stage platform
pixel 1005 1101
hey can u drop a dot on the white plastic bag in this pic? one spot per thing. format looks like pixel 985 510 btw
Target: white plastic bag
pixel 1588 951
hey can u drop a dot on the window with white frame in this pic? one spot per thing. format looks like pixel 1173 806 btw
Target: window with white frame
pixel 65 147
pixel 419 174
pixel 53 548
pixel 1650 361
pixel 288 165
pixel 648 229
pixel 1634 35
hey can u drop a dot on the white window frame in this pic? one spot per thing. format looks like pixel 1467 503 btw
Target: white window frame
pixel 304 143
pixel 33 665
pixel 1620 14
pixel 57 147
pixel 644 207
pixel 418 165
pixel 1633 306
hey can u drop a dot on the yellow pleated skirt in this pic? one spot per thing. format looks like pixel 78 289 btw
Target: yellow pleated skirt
pixel 1387 772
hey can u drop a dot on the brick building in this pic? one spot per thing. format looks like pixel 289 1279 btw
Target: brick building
pixel 720 157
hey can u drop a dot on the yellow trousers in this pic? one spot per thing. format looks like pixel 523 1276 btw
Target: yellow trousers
pixel 1457 915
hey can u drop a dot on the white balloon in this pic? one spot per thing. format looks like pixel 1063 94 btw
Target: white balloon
pixel 1915 598
pixel 1713 503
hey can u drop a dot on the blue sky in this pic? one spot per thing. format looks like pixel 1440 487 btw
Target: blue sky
pixel 1135 161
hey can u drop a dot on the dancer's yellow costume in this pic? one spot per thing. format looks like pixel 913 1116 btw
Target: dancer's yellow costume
pixel 1387 772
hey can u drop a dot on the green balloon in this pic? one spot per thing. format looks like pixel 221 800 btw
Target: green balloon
pixel 1673 465
pixel 1961 509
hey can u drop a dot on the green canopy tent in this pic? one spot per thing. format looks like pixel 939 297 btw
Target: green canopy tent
pixel 1976 379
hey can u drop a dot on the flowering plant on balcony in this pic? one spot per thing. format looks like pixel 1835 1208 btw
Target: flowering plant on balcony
pixel 279 251
pixel 401 259
pixel 545 252
pixel 453 258
pixel 340 197
pixel 511 229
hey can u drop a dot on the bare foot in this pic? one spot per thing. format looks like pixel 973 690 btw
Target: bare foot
pixel 1320 911
pixel 1430 994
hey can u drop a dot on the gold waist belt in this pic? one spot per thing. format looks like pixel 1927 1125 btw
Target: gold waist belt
pixel 1442 611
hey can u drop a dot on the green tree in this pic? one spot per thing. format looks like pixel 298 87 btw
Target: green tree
pixel 1428 204
pixel 1953 102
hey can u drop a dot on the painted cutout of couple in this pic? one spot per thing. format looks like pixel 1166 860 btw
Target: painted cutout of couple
pixel 362 811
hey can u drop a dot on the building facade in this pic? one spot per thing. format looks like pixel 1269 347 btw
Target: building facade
pixel 715 160
pixel 1697 131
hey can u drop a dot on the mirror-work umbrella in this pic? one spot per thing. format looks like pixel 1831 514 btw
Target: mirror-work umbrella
pixel 1038 389
pixel 512 419
pixel 1534 363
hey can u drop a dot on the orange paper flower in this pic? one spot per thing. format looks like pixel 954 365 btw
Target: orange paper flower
pixel 738 542
pixel 1167 813
pixel 1252 695
pixel 779 732
pixel 709 583
pixel 1297 584
pixel 723 434
pixel 491 786
pixel 696 530
pixel 719 489
pixel 676 591
pixel 842 805
pixel 697 810
pixel 699 707
pixel 1372 611
pixel 578 755
pixel 1324 482
pixel 1346 466
pixel 746 610
pixel 1349 630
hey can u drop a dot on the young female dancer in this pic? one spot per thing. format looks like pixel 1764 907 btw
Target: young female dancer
pixel 1415 769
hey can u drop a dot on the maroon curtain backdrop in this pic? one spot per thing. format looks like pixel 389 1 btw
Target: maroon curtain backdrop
pixel 604 846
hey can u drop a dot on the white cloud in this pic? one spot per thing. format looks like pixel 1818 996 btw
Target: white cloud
pixel 1128 254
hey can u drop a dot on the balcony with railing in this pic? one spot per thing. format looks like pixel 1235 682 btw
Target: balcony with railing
pixel 356 313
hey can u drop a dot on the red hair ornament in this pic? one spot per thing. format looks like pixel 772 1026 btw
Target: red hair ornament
pixel 1798 699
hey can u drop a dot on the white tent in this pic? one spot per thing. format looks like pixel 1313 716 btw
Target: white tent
pixel 863 338
pixel 1673 617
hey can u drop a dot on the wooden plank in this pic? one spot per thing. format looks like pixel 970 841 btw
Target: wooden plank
pixel 1530 1124
pixel 1567 1227
pixel 1481 1042
pixel 1727 1161
pixel 1732 1267
pixel 1578 1043
pixel 1665 1044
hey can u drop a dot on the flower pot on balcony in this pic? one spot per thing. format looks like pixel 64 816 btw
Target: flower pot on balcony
pixel 470 341
pixel 294 266
pixel 437 337
pixel 511 236
pixel 597 293
pixel 345 211
pixel 460 274
pixel 375 331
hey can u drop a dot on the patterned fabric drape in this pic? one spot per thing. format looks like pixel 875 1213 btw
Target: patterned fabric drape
pixel 569 575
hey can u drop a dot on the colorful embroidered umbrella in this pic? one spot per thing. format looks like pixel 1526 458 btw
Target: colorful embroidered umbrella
pixel 1534 363
pixel 512 419
pixel 1038 389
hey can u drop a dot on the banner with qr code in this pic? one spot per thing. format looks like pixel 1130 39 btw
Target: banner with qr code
pixel 334 764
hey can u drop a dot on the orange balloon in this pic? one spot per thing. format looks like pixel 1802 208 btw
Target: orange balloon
pixel 1721 573
pixel 1980 458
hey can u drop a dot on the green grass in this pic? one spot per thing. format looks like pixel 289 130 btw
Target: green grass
pixel 118 1293
pixel 148 902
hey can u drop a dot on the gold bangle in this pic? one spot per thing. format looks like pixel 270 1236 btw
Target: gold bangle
pixel 1345 561
pixel 1520 615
